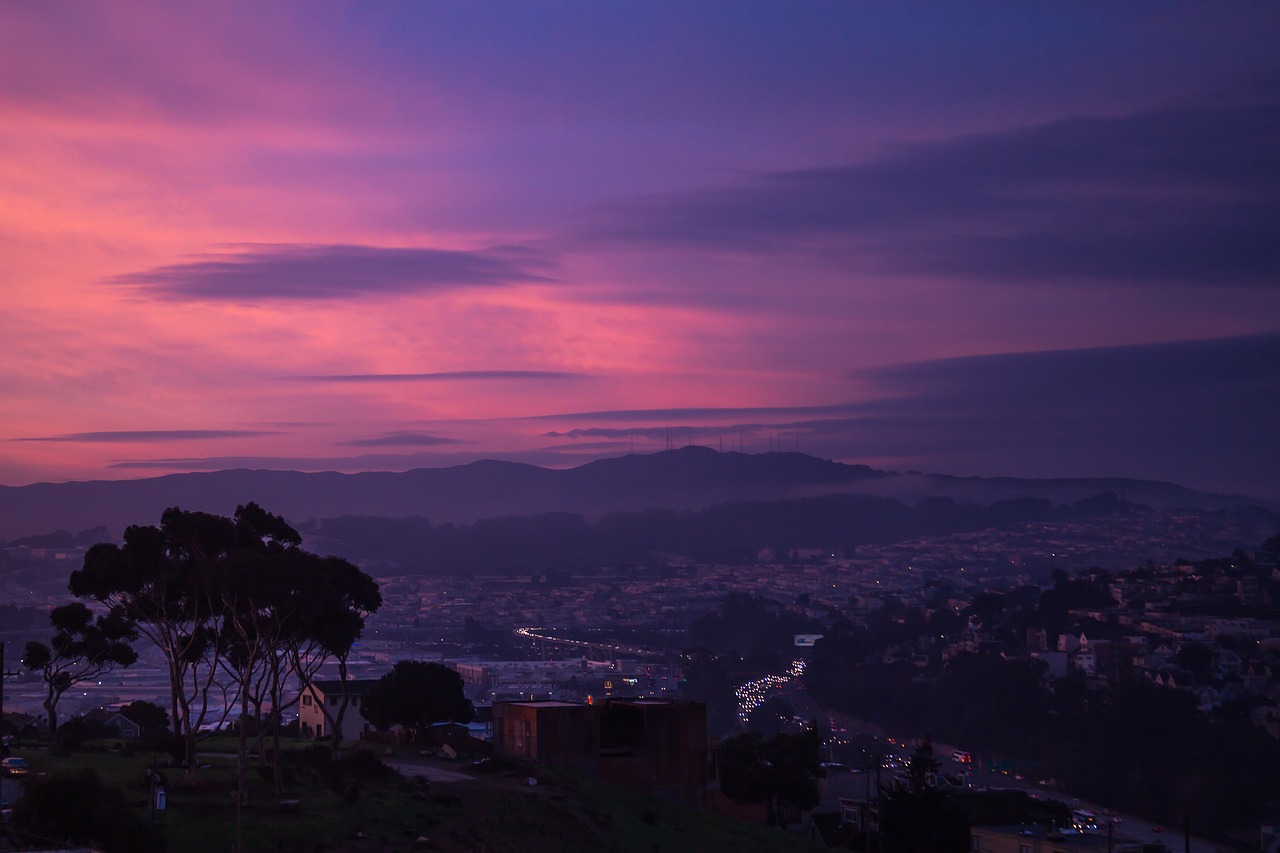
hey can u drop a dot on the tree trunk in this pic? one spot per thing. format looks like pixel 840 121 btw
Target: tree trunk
pixel 242 751
pixel 277 714
pixel 51 708
pixel 188 743
pixel 342 709
pixel 278 779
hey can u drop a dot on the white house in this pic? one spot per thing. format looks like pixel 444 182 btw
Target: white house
pixel 320 702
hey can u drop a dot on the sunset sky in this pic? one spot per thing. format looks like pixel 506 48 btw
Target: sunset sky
pixel 1029 239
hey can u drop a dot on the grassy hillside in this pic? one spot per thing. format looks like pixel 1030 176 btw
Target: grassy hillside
pixel 366 806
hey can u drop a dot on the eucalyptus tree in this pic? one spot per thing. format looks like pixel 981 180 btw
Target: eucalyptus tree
pixel 161 579
pixel 279 599
pixel 338 600
pixel 230 603
pixel 415 695
pixel 256 591
pixel 82 649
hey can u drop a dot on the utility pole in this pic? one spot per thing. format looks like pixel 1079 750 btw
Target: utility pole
pixel 4 673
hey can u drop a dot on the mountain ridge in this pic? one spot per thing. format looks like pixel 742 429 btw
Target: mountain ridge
pixel 689 478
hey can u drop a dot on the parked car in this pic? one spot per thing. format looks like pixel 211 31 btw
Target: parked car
pixel 15 767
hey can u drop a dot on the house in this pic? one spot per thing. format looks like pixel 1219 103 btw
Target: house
pixel 548 731
pixel 116 720
pixel 655 745
pixel 1072 642
pixel 23 724
pixel 320 702
pixel 1086 662
pixel 1057 664
pixel 822 825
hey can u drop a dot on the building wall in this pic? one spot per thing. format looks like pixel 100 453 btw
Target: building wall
pixel 654 745
pixel 312 719
pixel 669 758
pixel 556 733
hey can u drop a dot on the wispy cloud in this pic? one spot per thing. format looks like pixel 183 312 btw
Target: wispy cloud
pixel 313 272
pixel 685 433
pixel 1202 412
pixel 1189 193
pixel 447 376
pixel 700 413
pixel 150 435
pixel 1199 412
pixel 352 464
pixel 401 439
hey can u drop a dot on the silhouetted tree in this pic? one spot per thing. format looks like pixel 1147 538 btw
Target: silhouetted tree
pixel 82 649
pixel 772 717
pixel 236 596
pixel 415 695
pixel 920 818
pixel 148 715
pixel 161 580
pixel 781 772
pixel 1196 657
pixel 337 598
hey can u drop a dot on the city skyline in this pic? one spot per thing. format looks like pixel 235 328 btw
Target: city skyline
pixel 992 241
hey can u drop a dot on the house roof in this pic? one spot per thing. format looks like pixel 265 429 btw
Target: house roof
pixel 356 686
pixel 20 721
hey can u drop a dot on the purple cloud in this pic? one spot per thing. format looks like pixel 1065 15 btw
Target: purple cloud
pixel 400 439
pixel 307 272
pixel 696 413
pixel 150 435
pixel 1200 413
pixel 448 376
pixel 1188 193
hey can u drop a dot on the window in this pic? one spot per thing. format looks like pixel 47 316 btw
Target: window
pixel 1024 848
pixel 333 701
pixel 975 844
pixel 306 699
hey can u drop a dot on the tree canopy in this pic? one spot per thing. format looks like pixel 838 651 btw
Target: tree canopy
pixel 781 772
pixel 415 695
pixel 82 649
pixel 231 604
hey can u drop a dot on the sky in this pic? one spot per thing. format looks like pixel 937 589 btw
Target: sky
pixel 1018 239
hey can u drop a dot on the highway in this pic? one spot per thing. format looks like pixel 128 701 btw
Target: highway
pixel 615 649
pixel 790 687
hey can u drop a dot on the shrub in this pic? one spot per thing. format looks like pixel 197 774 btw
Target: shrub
pixel 80 808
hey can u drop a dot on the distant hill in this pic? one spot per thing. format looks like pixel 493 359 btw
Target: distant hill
pixel 691 478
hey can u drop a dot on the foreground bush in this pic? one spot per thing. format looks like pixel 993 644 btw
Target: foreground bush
pixel 79 809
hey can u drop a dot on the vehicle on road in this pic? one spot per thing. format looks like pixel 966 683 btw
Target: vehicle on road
pixel 15 767
pixel 1084 821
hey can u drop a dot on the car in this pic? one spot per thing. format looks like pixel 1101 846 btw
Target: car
pixel 15 767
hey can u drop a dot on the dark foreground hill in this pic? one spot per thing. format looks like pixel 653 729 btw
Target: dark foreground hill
pixel 692 478
pixel 371 809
